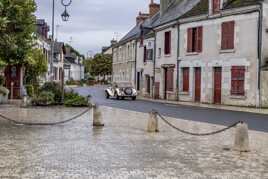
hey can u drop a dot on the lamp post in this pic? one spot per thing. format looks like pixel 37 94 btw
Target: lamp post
pixel 65 17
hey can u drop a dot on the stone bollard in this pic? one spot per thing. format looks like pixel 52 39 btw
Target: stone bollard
pixel 97 116
pixel 241 143
pixel 152 122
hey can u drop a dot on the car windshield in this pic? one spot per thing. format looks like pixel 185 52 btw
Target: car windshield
pixel 124 85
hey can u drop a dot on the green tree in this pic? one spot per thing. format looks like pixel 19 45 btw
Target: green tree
pixel 101 65
pixel 17 26
pixel 36 66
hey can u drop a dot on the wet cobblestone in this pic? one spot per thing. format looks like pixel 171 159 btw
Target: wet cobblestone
pixel 122 149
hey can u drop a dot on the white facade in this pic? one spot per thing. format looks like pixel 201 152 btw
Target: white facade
pixel 245 53
pixel 145 67
pixel 124 57
pixel 164 61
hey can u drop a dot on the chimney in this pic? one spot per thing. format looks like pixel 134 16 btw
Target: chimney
pixel 113 42
pixel 153 8
pixel 142 17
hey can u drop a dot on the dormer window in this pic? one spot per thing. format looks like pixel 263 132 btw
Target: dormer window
pixel 216 6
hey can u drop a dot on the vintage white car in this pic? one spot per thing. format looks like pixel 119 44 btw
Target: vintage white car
pixel 121 91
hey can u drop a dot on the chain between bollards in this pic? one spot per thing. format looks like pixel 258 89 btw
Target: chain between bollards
pixel 196 134
pixel 44 124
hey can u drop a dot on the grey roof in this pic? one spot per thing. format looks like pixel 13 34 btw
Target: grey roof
pixel 58 46
pixel 135 32
pixel 175 11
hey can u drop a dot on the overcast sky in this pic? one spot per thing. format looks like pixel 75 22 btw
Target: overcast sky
pixel 93 23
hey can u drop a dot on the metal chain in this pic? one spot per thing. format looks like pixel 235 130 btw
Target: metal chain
pixel 43 124
pixel 195 134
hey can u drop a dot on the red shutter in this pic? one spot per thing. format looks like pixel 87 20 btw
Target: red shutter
pixel 144 54
pixel 216 6
pixel 227 41
pixel 223 36
pixel 199 39
pixel 238 80
pixel 189 40
pixel 185 79
pixel 167 42
pixel 231 35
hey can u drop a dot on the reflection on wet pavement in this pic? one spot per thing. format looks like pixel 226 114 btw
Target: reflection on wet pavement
pixel 122 149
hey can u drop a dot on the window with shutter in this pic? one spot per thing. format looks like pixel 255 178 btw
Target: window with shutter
pixel 215 6
pixel 227 41
pixel 167 43
pixel 185 74
pixel 195 39
pixel 238 81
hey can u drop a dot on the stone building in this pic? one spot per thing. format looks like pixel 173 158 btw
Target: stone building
pixel 208 51
pixel 223 45
pixel 146 53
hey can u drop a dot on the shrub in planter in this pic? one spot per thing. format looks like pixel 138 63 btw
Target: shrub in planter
pixel 30 90
pixel 72 99
pixel 2 80
pixel 54 88
pixel 44 99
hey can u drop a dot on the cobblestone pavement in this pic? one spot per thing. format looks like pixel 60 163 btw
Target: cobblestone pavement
pixel 122 149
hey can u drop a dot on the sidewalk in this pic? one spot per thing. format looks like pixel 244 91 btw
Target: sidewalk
pixel 122 149
pixel 212 106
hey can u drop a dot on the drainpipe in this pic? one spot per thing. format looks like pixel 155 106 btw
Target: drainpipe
pixel 135 69
pixel 178 64
pixel 260 22
pixel 154 63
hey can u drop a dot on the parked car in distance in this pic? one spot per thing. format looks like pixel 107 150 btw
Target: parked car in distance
pixel 121 91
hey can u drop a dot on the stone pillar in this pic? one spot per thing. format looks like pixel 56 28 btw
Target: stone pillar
pixel 152 122
pixel 97 116
pixel 241 143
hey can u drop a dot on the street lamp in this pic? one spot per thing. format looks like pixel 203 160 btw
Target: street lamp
pixel 65 16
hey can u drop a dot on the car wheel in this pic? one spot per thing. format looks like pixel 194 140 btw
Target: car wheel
pixel 107 95
pixel 133 98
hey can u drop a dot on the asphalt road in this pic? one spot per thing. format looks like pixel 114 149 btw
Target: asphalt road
pixel 258 122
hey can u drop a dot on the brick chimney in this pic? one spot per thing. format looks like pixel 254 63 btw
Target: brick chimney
pixel 153 8
pixel 142 17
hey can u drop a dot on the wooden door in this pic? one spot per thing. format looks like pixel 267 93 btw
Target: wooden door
pixel 166 82
pixel 217 85
pixel 148 84
pixel 197 84
pixel 13 80
pixel 138 81
pixel 157 90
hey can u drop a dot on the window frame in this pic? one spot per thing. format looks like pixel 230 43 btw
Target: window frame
pixel 238 74
pixel 167 43
pixel 228 35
